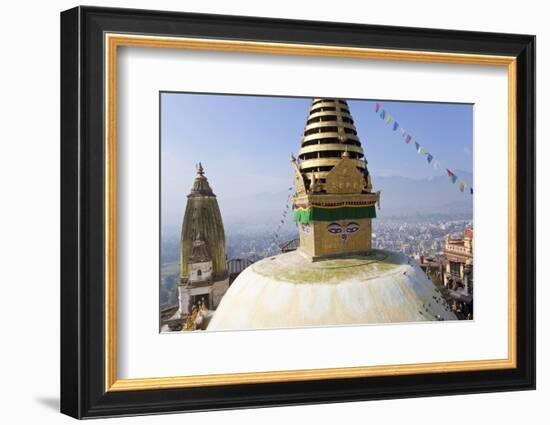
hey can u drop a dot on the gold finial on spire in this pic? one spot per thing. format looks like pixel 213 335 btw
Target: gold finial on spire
pixel 200 170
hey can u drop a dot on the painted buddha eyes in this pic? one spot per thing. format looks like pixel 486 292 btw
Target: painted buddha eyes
pixel 352 227
pixel 336 228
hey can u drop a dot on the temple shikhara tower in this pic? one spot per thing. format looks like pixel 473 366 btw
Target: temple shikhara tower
pixel 203 264
pixel 334 202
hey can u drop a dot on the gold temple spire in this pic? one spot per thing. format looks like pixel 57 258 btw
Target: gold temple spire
pixel 334 203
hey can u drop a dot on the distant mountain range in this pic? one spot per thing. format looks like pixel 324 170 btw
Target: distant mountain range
pixel 403 196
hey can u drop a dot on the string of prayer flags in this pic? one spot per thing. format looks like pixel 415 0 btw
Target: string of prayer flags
pixel 453 178
pixel 284 216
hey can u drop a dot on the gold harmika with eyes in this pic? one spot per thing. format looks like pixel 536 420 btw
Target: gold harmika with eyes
pixel 331 173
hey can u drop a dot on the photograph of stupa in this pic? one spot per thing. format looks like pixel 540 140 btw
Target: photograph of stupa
pixel 334 271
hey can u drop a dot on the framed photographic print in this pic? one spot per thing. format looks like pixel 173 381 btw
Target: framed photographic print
pixel 261 212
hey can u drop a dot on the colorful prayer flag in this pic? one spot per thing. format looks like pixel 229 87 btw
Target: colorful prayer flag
pixel 462 186
pixel 383 114
pixel 471 191
pixel 417 146
pixel 377 107
pixel 452 176
pixel 425 151
pixel 436 165
pixel 402 131
pixel 429 158
pixel 389 119
pixel 408 138
pixel 395 125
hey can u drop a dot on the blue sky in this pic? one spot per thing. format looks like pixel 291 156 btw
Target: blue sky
pixel 244 142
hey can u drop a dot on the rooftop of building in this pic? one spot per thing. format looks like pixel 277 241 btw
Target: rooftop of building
pixel 457 240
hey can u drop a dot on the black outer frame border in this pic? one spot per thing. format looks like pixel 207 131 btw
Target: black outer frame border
pixel 82 203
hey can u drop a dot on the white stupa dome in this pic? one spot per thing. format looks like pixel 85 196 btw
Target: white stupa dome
pixel 289 290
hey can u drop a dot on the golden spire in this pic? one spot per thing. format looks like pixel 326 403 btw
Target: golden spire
pixel 329 136
pixel 334 202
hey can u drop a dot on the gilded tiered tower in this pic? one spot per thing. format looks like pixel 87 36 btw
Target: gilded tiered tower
pixel 334 201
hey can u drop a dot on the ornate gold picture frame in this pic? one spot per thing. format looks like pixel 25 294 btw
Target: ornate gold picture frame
pixel 91 41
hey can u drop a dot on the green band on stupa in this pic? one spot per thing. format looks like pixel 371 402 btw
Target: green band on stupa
pixel 304 216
